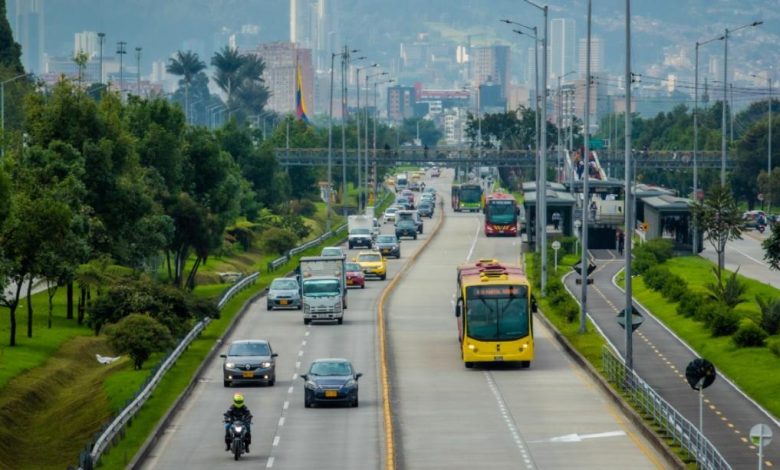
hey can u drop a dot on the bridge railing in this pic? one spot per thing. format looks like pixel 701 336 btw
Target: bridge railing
pixel 671 422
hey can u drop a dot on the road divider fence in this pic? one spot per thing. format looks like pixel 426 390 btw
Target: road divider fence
pixel 669 420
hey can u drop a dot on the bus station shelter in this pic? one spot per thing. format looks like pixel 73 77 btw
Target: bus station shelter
pixel 558 200
pixel 669 217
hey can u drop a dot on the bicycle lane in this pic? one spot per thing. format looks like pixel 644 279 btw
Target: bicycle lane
pixel 660 358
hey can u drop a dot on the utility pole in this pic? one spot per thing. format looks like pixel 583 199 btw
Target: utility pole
pixel 629 197
pixel 121 51
pixel 138 70
pixel 101 39
pixel 585 188
pixel 330 143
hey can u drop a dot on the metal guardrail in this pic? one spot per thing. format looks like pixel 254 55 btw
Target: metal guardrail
pixel 675 425
pixel 274 265
pixel 117 426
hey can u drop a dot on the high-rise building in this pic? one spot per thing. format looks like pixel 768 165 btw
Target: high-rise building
pixel 281 59
pixel 400 102
pixel 562 47
pixel 86 42
pixel 491 65
pixel 596 56
pixel 312 27
pixel 531 69
pixel 29 32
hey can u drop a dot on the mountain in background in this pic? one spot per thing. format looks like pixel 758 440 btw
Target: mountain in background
pixel 665 31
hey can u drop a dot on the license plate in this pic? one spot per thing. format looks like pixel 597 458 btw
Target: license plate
pixel 349 282
pixel 248 374
pixel 498 358
pixel 282 302
pixel 331 393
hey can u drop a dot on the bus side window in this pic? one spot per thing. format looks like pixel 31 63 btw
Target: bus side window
pixel 459 307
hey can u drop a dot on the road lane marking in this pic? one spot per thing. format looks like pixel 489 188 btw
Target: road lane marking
pixel 290 390
pixel 276 441
pixel 474 242
pixel 307 333
pixel 281 421
pixel 509 420
pixel 295 376
pixel 580 437
pixel 286 405
pixel 298 365
pixel 270 462
pixel 303 343
pixel 300 353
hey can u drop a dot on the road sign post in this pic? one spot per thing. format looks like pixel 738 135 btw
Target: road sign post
pixel 760 436
pixel 636 319
pixel 700 374
pixel 556 245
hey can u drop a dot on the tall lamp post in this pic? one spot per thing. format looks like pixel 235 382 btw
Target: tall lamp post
pixel 2 109
pixel 725 95
pixel 366 158
pixel 541 192
pixel 359 130
pixel 696 134
pixel 121 51
pixel 138 70
pixel 101 39
pixel 345 56
pixel 537 154
pixel 376 116
pixel 629 200
pixel 769 144
pixel 585 188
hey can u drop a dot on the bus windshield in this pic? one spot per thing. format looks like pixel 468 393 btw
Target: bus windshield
pixel 501 212
pixel 497 313
pixel 470 193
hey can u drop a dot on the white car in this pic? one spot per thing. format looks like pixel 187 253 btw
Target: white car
pixel 390 214
pixel 336 251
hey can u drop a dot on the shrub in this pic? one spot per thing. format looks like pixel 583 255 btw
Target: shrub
pixel 674 288
pixel 774 346
pixel 139 335
pixel 723 321
pixel 296 225
pixel 732 292
pixel 643 260
pixel 689 304
pixel 770 314
pixel 304 207
pixel 570 310
pixel 749 335
pixel 655 277
pixel 279 240
pixel 661 248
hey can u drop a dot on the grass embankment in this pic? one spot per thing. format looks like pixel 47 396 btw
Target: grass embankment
pixel 754 369
pixel 174 384
pixel 39 370
pixel 588 344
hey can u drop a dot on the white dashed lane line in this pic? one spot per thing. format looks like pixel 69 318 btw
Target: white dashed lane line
pixel 510 422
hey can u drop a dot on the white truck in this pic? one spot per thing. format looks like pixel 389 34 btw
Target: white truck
pixel 323 288
pixel 401 181
pixel 360 229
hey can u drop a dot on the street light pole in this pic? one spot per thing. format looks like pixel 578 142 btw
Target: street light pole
pixel 101 38
pixel 330 143
pixel 768 197
pixel 725 96
pixel 138 70
pixel 696 136
pixel 585 188
pixel 121 51
pixel 629 198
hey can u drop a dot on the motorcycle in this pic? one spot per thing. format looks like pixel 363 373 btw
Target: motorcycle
pixel 237 431
pixel 761 228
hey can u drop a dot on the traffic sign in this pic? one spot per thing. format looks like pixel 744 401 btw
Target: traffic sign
pixel 700 373
pixel 636 319
pixel 760 435
pixel 556 245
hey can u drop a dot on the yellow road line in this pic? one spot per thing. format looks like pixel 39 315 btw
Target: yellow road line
pixel 387 408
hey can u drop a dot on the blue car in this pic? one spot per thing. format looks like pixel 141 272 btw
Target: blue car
pixel 331 381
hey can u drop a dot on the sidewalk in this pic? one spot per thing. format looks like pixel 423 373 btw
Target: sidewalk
pixel 660 359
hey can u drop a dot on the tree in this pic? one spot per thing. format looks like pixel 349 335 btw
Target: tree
pixel 80 59
pixel 720 219
pixel 10 50
pixel 186 65
pixel 228 62
pixel 772 248
pixel 139 335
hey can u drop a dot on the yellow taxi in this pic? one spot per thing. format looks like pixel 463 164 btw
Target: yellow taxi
pixel 372 263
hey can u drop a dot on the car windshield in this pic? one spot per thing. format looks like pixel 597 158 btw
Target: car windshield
pixel 391 210
pixel 370 258
pixel 352 267
pixel 331 252
pixel 284 284
pixel 320 287
pixel 249 349
pixel 360 231
pixel 330 369
pixel 386 239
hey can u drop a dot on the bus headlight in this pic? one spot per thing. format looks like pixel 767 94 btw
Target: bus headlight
pixel 473 348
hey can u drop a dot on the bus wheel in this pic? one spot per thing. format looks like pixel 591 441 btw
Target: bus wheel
pixel 525 364
pixel 469 365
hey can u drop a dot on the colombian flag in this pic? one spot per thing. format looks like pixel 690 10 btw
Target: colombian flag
pixel 300 105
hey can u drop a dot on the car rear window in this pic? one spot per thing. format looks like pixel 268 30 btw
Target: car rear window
pixel 370 258
pixel 386 239
pixel 351 267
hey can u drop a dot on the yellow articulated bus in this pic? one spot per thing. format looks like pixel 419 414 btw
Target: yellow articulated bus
pixel 493 311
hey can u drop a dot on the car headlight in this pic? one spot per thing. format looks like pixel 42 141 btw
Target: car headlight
pixel 265 365
pixel 351 383
pixel 311 385
pixel 272 296
pixel 230 365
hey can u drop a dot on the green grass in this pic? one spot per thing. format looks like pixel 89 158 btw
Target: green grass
pixel 754 370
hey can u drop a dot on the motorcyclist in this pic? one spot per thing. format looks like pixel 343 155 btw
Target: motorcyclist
pixel 238 411
pixel 761 222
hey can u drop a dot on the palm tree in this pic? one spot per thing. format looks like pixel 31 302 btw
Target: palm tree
pixel 186 65
pixel 228 63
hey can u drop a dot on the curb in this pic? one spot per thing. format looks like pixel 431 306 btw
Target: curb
pixel 389 421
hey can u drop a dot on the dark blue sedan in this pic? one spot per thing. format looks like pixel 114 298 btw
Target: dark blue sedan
pixel 331 381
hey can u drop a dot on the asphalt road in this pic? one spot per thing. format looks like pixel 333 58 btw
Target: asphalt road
pixel 747 255
pixel 284 433
pixel 550 416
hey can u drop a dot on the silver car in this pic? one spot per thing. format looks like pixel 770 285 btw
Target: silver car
pixel 284 292
pixel 249 361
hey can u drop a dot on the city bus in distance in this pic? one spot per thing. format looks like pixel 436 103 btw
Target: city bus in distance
pixel 500 215
pixel 401 181
pixel 469 198
pixel 493 313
